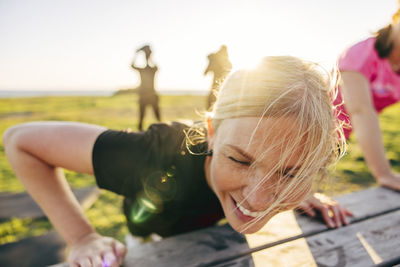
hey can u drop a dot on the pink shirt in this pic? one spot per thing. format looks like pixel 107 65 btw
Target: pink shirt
pixel 384 82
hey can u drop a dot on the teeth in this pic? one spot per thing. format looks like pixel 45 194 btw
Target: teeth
pixel 249 213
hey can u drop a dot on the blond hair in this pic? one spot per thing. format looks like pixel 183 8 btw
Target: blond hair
pixel 286 87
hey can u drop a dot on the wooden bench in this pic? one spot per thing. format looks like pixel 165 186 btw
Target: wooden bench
pixel 40 250
pixel 21 205
pixel 290 239
pixel 33 251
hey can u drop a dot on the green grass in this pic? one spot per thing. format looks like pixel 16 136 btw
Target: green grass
pixel 121 112
pixel 351 172
pixel 118 112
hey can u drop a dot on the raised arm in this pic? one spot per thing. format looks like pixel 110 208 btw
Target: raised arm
pixel 37 152
pixel 210 64
pixel 364 119
pixel 133 66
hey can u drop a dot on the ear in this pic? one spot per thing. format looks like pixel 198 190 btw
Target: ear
pixel 210 128
pixel 210 133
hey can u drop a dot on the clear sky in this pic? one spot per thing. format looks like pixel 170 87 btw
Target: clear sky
pixel 89 44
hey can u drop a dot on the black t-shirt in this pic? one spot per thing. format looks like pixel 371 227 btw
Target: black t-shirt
pixel 163 183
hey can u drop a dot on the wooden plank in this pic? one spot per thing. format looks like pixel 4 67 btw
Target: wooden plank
pixel 375 241
pixel 33 251
pixel 221 244
pixel 241 262
pixel 21 205
pixel 390 263
pixel 179 250
pixel 189 249
pixel 363 204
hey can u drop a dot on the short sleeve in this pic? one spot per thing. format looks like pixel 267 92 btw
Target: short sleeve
pixel 361 57
pixel 122 159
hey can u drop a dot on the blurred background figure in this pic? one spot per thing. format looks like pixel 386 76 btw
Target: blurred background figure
pixel 147 92
pixel 220 66
pixel 370 72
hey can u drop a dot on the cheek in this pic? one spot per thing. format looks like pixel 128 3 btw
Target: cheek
pixel 223 176
pixel 301 192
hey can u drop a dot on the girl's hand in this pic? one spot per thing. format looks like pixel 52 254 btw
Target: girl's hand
pixel 391 181
pixel 332 212
pixel 95 250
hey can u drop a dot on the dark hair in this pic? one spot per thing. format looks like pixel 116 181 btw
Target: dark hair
pixel 383 45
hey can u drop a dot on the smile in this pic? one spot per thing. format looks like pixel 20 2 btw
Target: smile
pixel 249 213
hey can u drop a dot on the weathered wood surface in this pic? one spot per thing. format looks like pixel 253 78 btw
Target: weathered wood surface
pixel 192 249
pixel 217 245
pixel 21 205
pixel 364 243
pixel 40 250
pixel 288 240
pixel 33 251
pixel 363 204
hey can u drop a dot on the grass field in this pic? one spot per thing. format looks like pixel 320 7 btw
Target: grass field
pixel 121 112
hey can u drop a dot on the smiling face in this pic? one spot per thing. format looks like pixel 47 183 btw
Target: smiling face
pixel 246 171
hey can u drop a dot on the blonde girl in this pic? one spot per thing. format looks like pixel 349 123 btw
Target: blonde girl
pixel 270 134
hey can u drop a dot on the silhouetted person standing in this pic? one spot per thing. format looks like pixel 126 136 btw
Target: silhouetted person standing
pixel 220 66
pixel 147 92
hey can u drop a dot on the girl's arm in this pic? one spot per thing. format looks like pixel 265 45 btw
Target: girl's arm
pixel 358 102
pixel 37 152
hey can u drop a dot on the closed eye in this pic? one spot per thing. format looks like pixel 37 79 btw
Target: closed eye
pixel 288 174
pixel 246 163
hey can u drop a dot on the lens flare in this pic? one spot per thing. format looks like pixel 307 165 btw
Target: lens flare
pixel 142 209
pixel 150 206
pixel 158 187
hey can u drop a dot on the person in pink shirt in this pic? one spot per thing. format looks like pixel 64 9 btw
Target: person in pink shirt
pixel 370 73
